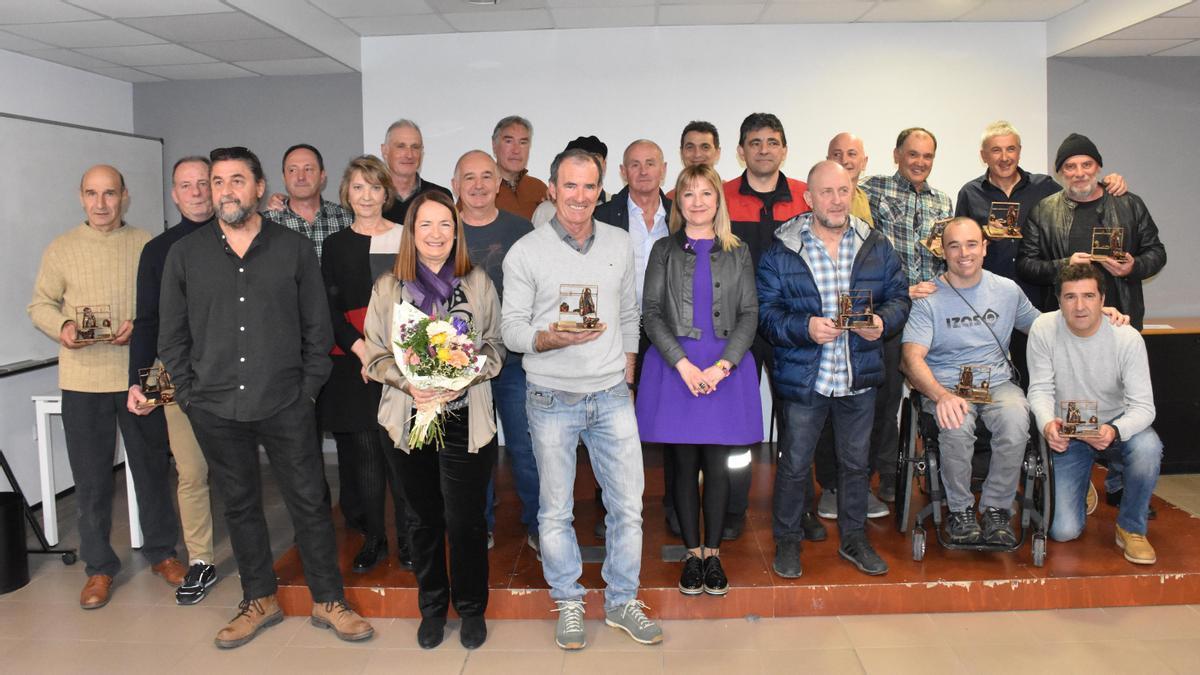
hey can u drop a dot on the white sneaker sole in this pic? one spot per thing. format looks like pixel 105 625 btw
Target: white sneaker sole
pixel 652 641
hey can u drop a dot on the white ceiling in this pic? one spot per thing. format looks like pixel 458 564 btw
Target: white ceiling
pixel 153 40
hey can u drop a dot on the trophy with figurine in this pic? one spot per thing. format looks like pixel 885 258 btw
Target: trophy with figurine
pixel 577 308
pixel 854 310
pixel 974 383
pixel 933 242
pixel 156 387
pixel 93 323
pixel 1002 221
pixel 1108 243
pixel 1079 419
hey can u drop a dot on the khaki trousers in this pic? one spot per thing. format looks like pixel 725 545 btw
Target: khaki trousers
pixel 195 510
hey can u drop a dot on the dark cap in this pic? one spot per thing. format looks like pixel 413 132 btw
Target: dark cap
pixel 589 144
pixel 1076 144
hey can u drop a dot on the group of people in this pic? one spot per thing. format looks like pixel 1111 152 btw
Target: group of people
pixel 278 326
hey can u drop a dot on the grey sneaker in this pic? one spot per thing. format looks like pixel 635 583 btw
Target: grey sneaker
pixel 569 633
pixel 827 505
pixel 630 618
pixel 875 507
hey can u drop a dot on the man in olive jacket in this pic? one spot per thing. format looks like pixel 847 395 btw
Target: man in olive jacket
pixel 822 370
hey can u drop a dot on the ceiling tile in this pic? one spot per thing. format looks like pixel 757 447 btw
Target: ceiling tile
pixel 344 9
pixel 198 71
pixel 127 74
pixel 41 12
pixel 1189 49
pixel 1160 29
pixel 603 17
pixel 205 27
pixel 321 65
pixel 120 9
pixel 829 11
pixel 255 50
pixel 464 7
pixel 920 10
pixel 558 4
pixel 1019 10
pixel 697 15
pixel 419 24
pixel 17 43
pixel 85 34
pixel 69 58
pixel 1187 10
pixel 1122 47
pixel 148 55
pixel 520 19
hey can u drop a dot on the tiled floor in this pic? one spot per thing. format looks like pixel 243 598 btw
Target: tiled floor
pixel 42 630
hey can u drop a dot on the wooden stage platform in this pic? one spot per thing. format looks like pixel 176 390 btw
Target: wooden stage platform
pixel 1089 572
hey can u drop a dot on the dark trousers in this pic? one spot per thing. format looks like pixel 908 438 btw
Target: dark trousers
pixel 688 461
pixel 90 423
pixel 290 439
pixel 374 473
pixel 799 426
pixel 350 500
pixel 447 493
pixel 885 430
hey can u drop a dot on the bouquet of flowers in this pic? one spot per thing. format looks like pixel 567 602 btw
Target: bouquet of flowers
pixel 433 353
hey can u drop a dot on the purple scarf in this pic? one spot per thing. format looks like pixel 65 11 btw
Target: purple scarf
pixel 429 290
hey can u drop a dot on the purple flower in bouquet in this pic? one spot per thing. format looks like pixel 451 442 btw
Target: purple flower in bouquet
pixel 460 325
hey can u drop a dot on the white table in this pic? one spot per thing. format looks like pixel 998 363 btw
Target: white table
pixel 46 406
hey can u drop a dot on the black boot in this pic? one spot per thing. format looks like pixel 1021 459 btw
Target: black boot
pixel 372 551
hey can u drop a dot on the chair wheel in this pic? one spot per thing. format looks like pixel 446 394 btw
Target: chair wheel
pixel 69 558
pixel 1039 550
pixel 918 544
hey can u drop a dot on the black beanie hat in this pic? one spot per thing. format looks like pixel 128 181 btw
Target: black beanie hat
pixel 590 144
pixel 1076 144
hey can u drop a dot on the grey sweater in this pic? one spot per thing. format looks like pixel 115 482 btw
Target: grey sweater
pixel 1109 367
pixel 534 269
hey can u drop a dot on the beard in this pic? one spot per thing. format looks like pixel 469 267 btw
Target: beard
pixel 825 221
pixel 237 217
pixel 1083 193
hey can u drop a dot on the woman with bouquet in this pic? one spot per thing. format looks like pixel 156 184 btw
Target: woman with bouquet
pixel 444 473
pixel 352 259
pixel 698 391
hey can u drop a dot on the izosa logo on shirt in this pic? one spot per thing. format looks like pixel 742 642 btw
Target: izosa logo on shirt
pixel 972 321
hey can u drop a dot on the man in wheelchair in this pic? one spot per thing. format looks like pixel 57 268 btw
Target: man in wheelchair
pixel 967 322
pixel 1076 356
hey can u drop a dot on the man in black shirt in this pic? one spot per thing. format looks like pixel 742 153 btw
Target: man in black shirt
pixel 245 334
pixel 403 150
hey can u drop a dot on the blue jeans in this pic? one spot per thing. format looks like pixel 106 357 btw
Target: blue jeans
pixel 1007 417
pixel 1141 457
pixel 508 392
pixel 799 430
pixel 606 422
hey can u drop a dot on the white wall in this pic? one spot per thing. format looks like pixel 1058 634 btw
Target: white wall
pixel 36 88
pixel 626 83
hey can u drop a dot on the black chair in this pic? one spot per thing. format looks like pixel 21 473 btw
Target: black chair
pixel 919 459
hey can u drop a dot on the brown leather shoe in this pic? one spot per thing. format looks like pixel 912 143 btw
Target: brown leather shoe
pixel 172 570
pixel 253 616
pixel 96 592
pixel 345 622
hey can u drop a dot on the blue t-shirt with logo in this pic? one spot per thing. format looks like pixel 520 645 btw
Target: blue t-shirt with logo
pixel 958 335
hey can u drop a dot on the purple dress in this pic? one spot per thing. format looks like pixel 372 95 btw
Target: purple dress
pixel 668 413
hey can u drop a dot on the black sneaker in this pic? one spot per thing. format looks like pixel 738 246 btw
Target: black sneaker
pixel 372 552
pixel 787 559
pixel 996 528
pixel 859 552
pixel 962 528
pixel 715 582
pixel 814 529
pixel 691 581
pixel 734 524
pixel 195 584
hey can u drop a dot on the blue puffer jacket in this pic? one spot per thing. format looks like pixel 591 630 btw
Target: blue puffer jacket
pixel 788 298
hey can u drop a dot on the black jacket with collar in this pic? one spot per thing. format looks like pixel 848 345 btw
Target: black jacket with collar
pixel 615 211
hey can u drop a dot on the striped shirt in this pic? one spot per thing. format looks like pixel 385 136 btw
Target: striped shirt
pixel 906 216
pixel 832 279
pixel 330 218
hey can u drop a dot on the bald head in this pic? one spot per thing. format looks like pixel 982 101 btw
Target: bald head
pixel 476 181
pixel 829 193
pixel 643 168
pixel 102 195
pixel 473 157
pixel 847 149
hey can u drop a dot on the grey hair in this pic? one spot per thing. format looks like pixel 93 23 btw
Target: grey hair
pixel 578 154
pixel 401 124
pixel 508 122
pixel 999 128
pixel 198 159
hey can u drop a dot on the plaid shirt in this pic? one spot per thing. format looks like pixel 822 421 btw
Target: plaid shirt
pixel 906 216
pixel 330 219
pixel 832 279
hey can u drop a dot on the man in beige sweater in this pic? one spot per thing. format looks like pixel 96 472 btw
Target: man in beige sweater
pixel 93 266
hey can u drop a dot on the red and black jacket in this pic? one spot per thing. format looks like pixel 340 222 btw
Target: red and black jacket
pixel 754 218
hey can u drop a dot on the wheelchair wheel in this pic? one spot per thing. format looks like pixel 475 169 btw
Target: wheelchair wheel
pixel 1039 550
pixel 918 544
pixel 69 558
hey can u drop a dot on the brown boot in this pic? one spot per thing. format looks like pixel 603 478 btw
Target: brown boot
pixel 170 569
pixel 96 592
pixel 338 616
pixel 253 616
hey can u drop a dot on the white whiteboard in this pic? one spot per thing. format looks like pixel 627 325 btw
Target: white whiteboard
pixel 39 200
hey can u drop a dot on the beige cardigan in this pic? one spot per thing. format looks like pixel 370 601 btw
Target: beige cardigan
pixel 395 408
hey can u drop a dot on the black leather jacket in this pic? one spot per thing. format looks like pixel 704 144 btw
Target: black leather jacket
pixel 667 298
pixel 1044 250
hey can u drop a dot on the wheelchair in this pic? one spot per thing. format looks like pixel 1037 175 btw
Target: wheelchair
pixel 919 459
